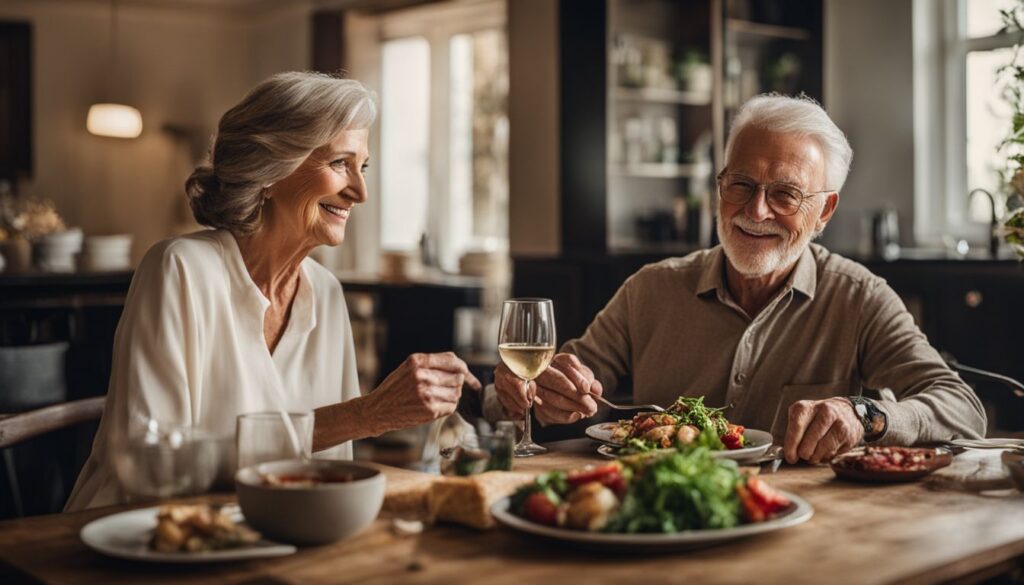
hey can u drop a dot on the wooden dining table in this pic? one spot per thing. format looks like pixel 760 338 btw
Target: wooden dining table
pixel 928 531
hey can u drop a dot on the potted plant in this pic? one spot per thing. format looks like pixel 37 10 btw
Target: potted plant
pixel 14 247
pixel 32 228
pixel 693 69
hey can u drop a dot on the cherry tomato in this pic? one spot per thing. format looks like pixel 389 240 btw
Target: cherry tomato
pixel 540 509
pixel 609 475
pixel 751 510
pixel 766 497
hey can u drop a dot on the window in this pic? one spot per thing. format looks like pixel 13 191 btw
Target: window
pixel 963 115
pixel 988 116
pixel 405 141
pixel 444 130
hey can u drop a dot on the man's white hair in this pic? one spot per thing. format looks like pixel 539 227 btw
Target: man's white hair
pixel 797 115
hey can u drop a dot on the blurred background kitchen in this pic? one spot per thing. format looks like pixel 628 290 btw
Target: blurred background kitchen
pixel 524 147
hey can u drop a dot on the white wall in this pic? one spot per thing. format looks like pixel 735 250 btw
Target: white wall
pixel 179 65
pixel 869 91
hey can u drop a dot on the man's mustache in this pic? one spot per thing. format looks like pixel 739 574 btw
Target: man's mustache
pixel 768 227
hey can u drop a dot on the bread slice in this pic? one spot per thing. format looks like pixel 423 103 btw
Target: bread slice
pixel 462 500
pixel 407 496
pixel 468 500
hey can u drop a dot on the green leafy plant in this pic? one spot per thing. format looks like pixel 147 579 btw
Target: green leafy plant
pixel 1013 145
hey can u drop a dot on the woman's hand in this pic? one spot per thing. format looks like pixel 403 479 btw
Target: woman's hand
pixel 560 392
pixel 427 386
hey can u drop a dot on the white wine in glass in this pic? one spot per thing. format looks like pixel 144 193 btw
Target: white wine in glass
pixel 526 343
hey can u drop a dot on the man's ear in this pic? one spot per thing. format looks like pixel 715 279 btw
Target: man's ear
pixel 828 210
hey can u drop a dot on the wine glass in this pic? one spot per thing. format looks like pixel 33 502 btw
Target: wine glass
pixel 526 343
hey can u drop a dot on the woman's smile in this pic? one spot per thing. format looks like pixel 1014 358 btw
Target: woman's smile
pixel 335 213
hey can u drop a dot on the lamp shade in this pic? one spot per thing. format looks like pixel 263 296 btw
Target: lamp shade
pixel 115 120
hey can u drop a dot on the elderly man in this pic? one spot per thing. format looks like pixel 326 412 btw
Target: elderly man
pixel 782 329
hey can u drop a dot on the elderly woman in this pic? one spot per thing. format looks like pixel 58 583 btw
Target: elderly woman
pixel 237 318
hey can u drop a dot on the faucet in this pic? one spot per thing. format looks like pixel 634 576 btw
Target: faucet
pixel 993 242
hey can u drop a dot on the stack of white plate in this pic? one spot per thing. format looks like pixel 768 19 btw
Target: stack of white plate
pixel 493 266
pixel 56 252
pixel 106 253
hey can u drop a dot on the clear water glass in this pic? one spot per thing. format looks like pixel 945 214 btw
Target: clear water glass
pixel 157 459
pixel 263 436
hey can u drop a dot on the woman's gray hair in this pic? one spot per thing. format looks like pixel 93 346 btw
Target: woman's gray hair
pixel 797 115
pixel 266 137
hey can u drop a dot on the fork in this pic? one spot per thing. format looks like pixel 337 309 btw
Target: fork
pixel 772 459
pixel 605 402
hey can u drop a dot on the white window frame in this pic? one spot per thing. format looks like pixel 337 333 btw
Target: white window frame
pixel 438 24
pixel 940 120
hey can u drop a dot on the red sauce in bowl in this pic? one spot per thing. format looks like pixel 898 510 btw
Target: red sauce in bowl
pixel 304 479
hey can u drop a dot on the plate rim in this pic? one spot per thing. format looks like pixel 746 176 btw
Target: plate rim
pixel 88 535
pixel 801 511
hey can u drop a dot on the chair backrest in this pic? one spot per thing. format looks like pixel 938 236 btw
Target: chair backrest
pixel 17 428
pixel 32 376
pixel 1002 396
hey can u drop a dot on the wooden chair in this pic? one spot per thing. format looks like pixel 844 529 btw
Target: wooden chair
pixel 17 428
pixel 1002 395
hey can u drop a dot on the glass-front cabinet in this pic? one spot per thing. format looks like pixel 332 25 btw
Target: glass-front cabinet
pixel 767 46
pixel 660 141
pixel 677 70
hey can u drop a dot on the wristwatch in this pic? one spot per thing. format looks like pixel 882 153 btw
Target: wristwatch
pixel 873 419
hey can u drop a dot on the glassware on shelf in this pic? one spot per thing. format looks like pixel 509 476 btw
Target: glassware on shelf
pixel 668 139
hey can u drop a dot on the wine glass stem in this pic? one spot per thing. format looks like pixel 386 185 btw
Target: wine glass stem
pixel 527 435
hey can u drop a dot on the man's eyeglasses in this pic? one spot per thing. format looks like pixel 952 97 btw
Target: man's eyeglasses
pixel 782 198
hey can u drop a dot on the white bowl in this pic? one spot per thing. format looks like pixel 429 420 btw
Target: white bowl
pixel 116 244
pixel 315 514
pixel 108 263
pixel 68 238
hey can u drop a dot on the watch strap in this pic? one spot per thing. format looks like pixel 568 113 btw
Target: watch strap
pixel 871 417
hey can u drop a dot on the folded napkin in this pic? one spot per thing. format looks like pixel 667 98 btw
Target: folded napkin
pixel 974 470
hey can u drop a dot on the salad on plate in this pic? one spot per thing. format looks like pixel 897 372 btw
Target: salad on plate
pixel 660 492
pixel 687 422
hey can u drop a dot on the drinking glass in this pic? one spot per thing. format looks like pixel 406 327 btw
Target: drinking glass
pixel 478 452
pixel 526 343
pixel 160 459
pixel 262 437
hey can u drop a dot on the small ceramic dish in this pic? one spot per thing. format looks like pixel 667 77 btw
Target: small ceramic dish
pixel 890 464
pixel 1013 461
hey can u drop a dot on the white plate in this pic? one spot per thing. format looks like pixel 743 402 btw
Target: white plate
pixel 798 512
pixel 603 432
pixel 126 536
pixel 758 443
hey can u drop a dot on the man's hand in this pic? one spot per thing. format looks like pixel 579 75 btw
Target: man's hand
pixel 560 392
pixel 818 430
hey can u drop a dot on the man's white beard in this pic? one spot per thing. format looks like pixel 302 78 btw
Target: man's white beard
pixel 756 260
